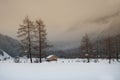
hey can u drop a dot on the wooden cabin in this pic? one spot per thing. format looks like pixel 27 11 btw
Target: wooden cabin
pixel 52 58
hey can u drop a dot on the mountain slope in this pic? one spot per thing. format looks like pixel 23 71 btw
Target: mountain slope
pixel 10 45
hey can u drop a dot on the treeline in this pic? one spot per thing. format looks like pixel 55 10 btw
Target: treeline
pixel 108 47
pixel 104 48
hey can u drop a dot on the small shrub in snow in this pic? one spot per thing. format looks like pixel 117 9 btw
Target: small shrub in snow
pixel 77 61
pixel 96 60
pixel 36 61
pixel 68 61
pixel 5 58
pixel 17 60
pixel 8 57
pixel 84 61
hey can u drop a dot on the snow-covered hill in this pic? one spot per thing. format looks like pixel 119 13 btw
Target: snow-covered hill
pixel 4 56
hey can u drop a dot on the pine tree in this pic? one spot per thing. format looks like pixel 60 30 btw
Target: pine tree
pixel 25 33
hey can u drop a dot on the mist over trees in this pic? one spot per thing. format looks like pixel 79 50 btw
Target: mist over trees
pixel 106 48
pixel 34 44
pixel 99 48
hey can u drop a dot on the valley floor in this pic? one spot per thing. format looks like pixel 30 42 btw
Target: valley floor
pixel 63 69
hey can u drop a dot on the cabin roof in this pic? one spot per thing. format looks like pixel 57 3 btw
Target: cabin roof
pixel 50 56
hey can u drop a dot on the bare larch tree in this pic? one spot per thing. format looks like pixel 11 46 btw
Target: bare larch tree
pixel 86 47
pixel 40 34
pixel 24 32
pixel 109 48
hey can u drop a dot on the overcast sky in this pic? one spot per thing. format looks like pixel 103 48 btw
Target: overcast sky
pixel 59 16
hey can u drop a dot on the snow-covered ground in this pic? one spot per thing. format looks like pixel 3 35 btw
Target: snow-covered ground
pixel 63 69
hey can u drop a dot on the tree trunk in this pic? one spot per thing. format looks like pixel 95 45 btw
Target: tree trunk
pixel 40 48
pixel 29 51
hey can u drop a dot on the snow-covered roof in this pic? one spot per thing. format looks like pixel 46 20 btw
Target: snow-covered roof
pixel 50 56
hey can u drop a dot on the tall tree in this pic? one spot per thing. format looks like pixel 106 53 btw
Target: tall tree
pixel 97 50
pixel 117 46
pixel 86 47
pixel 25 33
pixel 109 48
pixel 40 33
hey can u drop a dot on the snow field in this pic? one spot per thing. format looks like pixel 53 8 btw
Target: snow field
pixel 61 70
